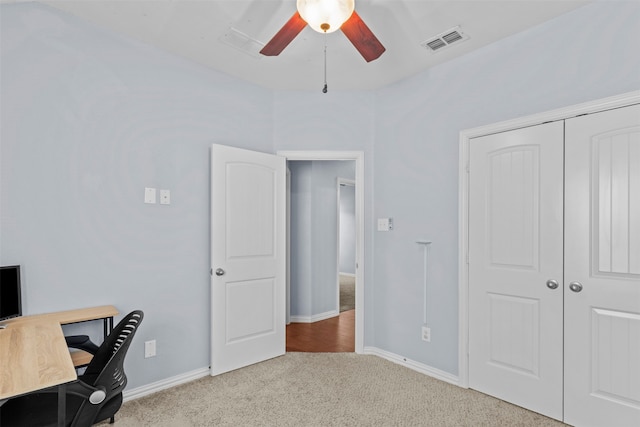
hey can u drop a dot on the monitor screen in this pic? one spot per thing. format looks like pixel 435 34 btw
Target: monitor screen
pixel 10 294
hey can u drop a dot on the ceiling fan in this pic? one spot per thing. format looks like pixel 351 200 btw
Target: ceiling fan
pixel 327 16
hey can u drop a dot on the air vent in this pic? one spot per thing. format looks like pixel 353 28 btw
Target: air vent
pixel 436 44
pixel 453 36
pixel 444 39
pixel 242 42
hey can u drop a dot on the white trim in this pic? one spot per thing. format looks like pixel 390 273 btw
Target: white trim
pixel 148 389
pixel 358 157
pixel 413 365
pixel 288 242
pixel 316 317
pixel 595 106
pixel 177 380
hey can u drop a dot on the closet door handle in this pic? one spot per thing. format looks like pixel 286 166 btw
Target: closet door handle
pixel 575 286
pixel 552 284
pixel 220 272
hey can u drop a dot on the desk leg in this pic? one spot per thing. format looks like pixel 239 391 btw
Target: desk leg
pixel 62 405
pixel 107 324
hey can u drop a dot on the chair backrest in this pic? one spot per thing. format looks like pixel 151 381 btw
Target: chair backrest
pixel 106 367
pixel 105 374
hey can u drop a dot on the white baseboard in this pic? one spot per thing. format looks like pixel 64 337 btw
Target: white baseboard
pixel 148 389
pixel 347 274
pixel 416 366
pixel 315 318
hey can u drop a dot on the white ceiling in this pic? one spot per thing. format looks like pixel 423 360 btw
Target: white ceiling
pixel 208 32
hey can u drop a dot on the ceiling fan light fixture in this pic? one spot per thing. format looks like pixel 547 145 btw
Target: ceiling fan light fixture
pixel 325 16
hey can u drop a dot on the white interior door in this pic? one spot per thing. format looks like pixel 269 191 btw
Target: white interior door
pixel 248 257
pixel 602 267
pixel 515 266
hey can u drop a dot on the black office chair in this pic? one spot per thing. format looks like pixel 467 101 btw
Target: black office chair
pixel 95 396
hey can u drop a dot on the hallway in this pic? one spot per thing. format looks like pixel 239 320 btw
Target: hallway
pixel 335 335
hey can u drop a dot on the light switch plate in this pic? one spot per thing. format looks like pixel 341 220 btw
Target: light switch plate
pixel 383 224
pixel 149 195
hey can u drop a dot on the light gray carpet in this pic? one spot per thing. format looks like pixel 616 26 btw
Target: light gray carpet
pixel 347 293
pixel 323 389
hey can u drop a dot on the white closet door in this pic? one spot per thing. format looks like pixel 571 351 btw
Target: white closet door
pixel 515 252
pixel 602 260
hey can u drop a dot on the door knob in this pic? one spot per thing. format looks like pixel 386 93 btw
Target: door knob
pixel 220 272
pixel 575 286
pixel 552 284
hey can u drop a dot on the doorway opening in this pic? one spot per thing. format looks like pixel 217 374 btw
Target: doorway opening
pixel 346 236
pixel 315 313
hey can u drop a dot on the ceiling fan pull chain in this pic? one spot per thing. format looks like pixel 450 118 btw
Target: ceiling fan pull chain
pixel 324 89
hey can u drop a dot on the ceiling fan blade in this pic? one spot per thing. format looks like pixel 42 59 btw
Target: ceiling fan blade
pixel 283 37
pixel 362 38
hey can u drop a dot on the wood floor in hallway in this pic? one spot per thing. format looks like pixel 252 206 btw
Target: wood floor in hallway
pixel 335 335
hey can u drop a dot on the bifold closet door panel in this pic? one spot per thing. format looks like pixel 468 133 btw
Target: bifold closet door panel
pixel 515 266
pixel 602 269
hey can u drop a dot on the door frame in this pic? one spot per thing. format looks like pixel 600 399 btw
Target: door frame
pixel 358 157
pixel 466 135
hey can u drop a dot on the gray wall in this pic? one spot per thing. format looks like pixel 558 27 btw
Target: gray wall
pixel 591 53
pixel 411 138
pixel 314 228
pixel 89 119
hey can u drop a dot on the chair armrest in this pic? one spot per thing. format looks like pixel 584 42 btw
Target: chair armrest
pixel 81 342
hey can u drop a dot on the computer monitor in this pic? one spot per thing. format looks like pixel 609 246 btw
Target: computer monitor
pixel 10 293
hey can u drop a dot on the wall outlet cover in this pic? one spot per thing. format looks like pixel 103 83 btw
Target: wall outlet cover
pixel 165 197
pixel 426 333
pixel 149 349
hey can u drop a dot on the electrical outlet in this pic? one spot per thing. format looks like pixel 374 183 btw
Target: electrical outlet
pixel 149 349
pixel 426 333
